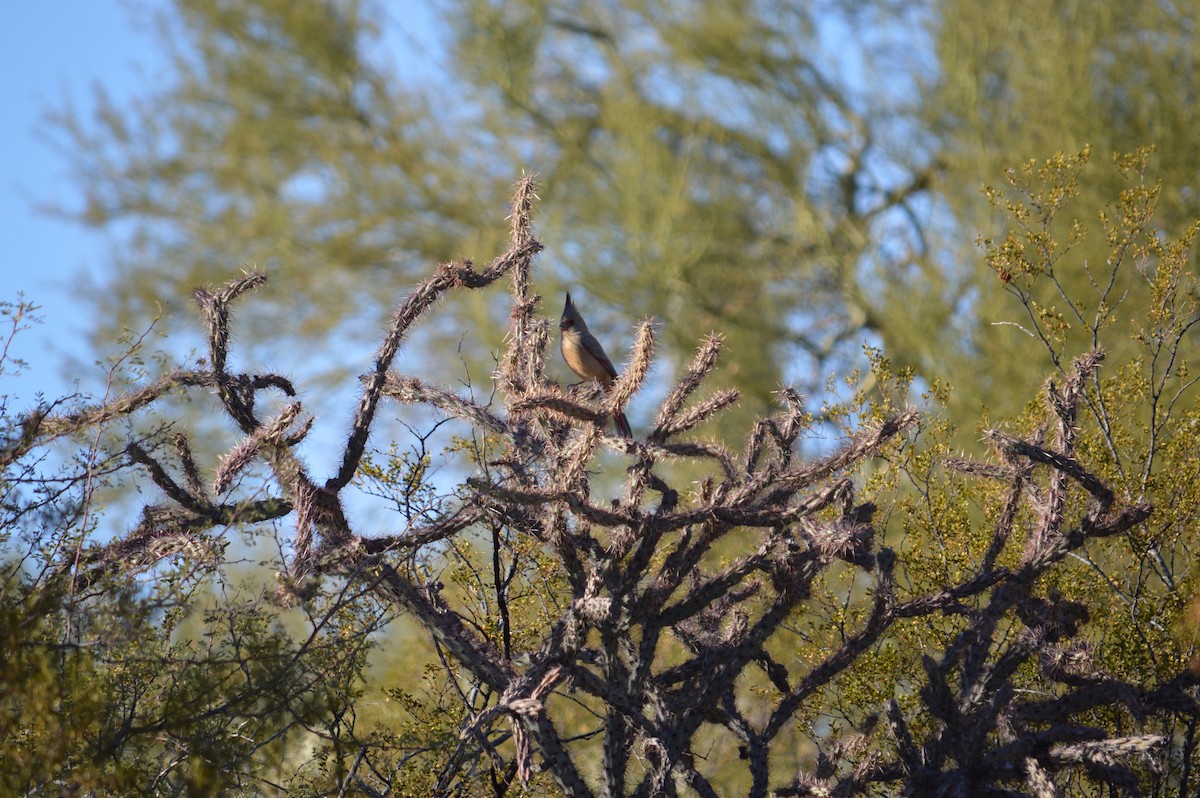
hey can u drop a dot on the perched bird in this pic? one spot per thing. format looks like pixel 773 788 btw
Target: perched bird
pixel 586 357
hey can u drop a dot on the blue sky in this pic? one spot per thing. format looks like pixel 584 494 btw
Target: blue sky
pixel 51 52
pixel 56 51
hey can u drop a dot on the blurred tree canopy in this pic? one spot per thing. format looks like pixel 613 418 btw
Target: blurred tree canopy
pixel 1021 80
pixel 887 618
pixel 803 176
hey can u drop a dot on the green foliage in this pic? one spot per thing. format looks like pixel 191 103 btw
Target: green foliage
pixel 700 165
pixel 278 140
pixel 187 680
pixel 1034 598
pixel 1021 79
pixel 708 164
pixel 137 689
pixel 703 163
pixel 1140 307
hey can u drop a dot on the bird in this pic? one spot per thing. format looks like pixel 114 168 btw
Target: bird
pixel 586 357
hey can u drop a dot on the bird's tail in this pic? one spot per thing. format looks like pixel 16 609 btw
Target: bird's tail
pixel 622 424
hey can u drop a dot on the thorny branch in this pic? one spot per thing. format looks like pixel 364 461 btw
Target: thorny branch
pixel 711 576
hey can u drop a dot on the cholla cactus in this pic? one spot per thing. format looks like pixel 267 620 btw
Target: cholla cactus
pixel 642 571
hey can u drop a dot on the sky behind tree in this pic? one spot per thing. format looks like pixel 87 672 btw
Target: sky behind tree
pixel 53 54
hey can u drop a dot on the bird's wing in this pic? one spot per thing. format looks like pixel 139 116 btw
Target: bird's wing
pixel 595 350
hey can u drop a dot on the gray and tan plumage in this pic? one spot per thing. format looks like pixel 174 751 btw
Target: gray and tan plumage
pixel 586 357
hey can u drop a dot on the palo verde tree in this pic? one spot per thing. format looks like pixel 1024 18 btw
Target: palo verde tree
pixel 798 175
pixel 782 625
pixel 1019 80
pixel 670 144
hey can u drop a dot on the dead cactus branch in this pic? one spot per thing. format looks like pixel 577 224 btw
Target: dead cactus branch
pixel 680 614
